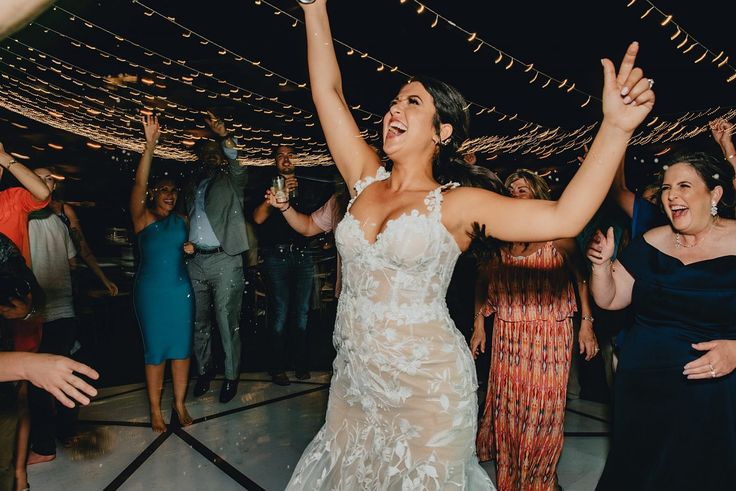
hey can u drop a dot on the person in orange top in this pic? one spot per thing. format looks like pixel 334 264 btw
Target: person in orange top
pixel 16 202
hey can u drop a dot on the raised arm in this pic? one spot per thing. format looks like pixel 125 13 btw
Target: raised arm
pixel 723 133
pixel 25 176
pixel 16 14
pixel 138 210
pixel 84 250
pixel 627 99
pixel 353 156
pixel 238 173
pixel 610 284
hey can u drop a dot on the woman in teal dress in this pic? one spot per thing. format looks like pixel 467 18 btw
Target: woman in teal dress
pixel 164 303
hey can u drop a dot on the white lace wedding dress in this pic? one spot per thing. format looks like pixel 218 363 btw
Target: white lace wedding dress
pixel 402 411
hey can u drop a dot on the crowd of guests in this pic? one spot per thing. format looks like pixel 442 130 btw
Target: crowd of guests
pixel 671 361
pixel 403 411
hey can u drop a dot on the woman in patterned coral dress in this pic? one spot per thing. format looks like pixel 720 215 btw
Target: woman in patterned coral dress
pixel 402 411
pixel 531 293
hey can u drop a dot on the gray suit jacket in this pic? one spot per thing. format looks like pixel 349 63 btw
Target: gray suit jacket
pixel 223 204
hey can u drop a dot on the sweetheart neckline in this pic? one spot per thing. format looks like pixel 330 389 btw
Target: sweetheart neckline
pixel 412 213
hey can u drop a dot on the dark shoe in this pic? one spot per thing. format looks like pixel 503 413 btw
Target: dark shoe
pixel 202 385
pixel 228 390
pixel 303 374
pixel 280 378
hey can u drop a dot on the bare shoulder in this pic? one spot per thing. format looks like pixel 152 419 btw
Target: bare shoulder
pixel 657 235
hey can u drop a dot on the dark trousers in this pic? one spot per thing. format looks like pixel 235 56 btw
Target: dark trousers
pixel 217 279
pixel 49 418
pixel 8 434
pixel 289 277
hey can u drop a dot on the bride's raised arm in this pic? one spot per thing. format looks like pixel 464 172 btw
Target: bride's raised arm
pixel 353 156
pixel 627 99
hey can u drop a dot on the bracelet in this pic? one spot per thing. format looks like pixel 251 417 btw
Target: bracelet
pixel 588 318
pixel 731 156
pixel 10 164
pixel 594 267
pixel 284 210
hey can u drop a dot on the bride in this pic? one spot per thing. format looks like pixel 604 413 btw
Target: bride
pixel 402 410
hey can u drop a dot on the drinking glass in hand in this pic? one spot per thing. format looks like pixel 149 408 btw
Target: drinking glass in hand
pixel 278 188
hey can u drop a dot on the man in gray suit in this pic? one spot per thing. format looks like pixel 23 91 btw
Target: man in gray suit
pixel 214 201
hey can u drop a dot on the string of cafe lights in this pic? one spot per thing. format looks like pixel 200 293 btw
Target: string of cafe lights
pixel 557 141
pixel 187 138
pixel 503 56
pixel 222 50
pixel 193 72
pixel 181 135
pixel 681 128
pixel 688 43
pixel 533 129
pixel 57 114
pixel 28 106
pixel 543 143
pixel 194 115
pixel 527 124
pixel 381 66
pixel 512 143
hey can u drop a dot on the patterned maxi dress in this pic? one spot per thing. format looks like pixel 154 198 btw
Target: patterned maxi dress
pixel 533 299
pixel 402 411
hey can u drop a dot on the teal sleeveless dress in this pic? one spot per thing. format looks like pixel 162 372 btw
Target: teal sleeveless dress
pixel 163 296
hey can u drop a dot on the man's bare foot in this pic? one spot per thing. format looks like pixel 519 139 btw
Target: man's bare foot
pixel 157 422
pixel 183 415
pixel 37 458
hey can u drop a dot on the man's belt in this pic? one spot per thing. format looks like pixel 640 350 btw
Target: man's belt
pixel 205 251
pixel 283 248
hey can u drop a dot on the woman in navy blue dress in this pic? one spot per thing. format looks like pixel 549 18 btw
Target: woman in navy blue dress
pixel 164 303
pixel 674 424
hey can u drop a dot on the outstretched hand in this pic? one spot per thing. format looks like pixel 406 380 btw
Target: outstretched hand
pixel 601 248
pixel 17 309
pixel 55 374
pixel 271 199
pixel 721 130
pixel 627 95
pixel 152 130
pixel 216 124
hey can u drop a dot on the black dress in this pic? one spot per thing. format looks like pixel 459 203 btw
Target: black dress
pixel 671 433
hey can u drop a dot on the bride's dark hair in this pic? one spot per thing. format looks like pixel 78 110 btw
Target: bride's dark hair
pixel 448 164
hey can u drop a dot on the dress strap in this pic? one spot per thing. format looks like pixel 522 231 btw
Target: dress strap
pixel 381 175
pixel 433 200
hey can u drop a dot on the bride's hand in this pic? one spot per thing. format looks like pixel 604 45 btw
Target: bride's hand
pixel 309 5
pixel 627 95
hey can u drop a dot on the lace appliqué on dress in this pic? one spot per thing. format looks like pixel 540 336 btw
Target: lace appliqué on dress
pixel 402 412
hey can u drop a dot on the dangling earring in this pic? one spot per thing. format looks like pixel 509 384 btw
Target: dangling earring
pixel 713 208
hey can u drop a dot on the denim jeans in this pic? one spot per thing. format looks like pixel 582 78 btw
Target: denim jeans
pixel 288 276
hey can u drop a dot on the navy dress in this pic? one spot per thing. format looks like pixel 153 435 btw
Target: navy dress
pixel 163 296
pixel 671 433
